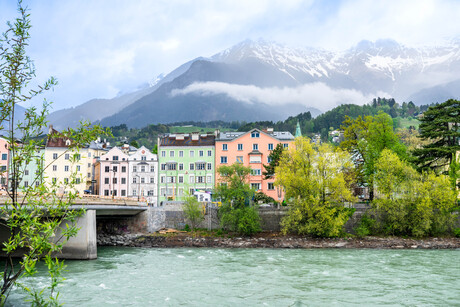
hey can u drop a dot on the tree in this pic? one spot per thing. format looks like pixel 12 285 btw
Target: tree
pixel 315 184
pixel 193 211
pixel 440 125
pixel 237 213
pixel 410 203
pixel 134 143
pixel 38 219
pixel 274 158
pixel 365 138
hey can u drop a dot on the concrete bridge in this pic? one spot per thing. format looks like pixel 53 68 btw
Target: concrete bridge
pixel 84 245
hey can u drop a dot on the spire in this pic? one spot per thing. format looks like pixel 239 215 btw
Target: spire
pixel 297 130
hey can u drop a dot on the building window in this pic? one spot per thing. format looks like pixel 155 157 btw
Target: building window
pixel 55 156
pixel 162 192
pixel 123 192
pixel 255 146
pixel 201 153
pixel 163 153
pixel 223 160
pixel 172 166
pixel 26 172
pixel 181 179
pixel 143 158
pixel 269 159
pixel 123 169
pixel 270 146
pixel 192 166
pixel 114 192
pixel 209 166
pixel 152 180
pixel 239 159
pixel 285 145
pixel 134 179
pixel 66 156
pixel 200 179
pixel 255 186
pixel 171 179
pixel 114 180
pixel 115 169
pixel 107 169
pixel 123 180
pixel 143 168
pixel 66 168
pixel 200 166
pixel 163 166
pixel 78 168
pixel 255 172
pixel 181 153
pixel 192 154
pixel 106 180
pixel 66 180
pixel 224 147
pixel 240 147
pixel 77 157
pixel 270 186
pixel 106 192
pixel 181 166
pixel 171 153
pixel 152 169
pixel 37 183
pixel 54 180
pixel 255 134
pixel 134 169
pixel 150 193
pixel 209 153
pixel 134 192
pixel 115 158
pixel 209 179
pixel 4 156
pixel 192 179
pixel 89 175
pixel 163 179
pixel 77 180
pixel 26 184
pixel 142 180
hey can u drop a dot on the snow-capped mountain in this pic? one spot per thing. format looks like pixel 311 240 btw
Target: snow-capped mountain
pixel 260 80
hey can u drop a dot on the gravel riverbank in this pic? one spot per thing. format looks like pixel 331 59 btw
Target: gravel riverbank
pixel 271 240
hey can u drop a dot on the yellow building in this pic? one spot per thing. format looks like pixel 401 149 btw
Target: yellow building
pixel 64 165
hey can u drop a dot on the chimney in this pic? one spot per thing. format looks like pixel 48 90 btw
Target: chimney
pixel 270 130
pixel 179 136
pixel 217 133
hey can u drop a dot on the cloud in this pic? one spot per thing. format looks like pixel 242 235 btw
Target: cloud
pixel 317 95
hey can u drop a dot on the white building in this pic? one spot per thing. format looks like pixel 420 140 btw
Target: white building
pixel 143 172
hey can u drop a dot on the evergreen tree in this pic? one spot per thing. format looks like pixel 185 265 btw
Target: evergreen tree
pixel 440 125
pixel 274 156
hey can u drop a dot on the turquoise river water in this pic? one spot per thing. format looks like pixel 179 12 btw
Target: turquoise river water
pixel 260 277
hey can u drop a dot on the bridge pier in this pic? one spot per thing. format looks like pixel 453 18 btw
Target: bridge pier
pixel 84 245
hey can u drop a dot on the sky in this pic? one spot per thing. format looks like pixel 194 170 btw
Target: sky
pixel 101 48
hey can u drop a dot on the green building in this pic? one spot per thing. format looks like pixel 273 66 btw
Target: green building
pixel 186 163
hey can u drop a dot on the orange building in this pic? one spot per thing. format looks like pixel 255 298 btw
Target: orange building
pixel 252 149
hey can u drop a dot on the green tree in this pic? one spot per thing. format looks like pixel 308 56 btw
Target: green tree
pixel 315 184
pixel 440 125
pixel 365 138
pixel 410 203
pixel 274 157
pixel 193 211
pixel 134 143
pixel 39 220
pixel 237 213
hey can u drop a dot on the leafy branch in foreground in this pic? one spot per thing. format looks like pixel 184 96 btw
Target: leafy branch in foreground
pixel 38 220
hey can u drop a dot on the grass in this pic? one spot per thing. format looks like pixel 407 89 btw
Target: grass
pixel 409 121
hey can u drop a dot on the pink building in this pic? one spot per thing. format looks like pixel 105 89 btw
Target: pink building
pixel 111 174
pixel 252 149
pixel 4 160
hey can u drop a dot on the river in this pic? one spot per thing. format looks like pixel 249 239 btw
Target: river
pixel 260 277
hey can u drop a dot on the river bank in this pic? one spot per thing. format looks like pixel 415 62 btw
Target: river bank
pixel 271 240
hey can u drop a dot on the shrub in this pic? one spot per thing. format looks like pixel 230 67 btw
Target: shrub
pixel 245 221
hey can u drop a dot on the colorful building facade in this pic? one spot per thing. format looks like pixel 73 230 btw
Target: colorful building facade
pixel 143 175
pixel 252 149
pixel 111 174
pixel 4 162
pixel 186 163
